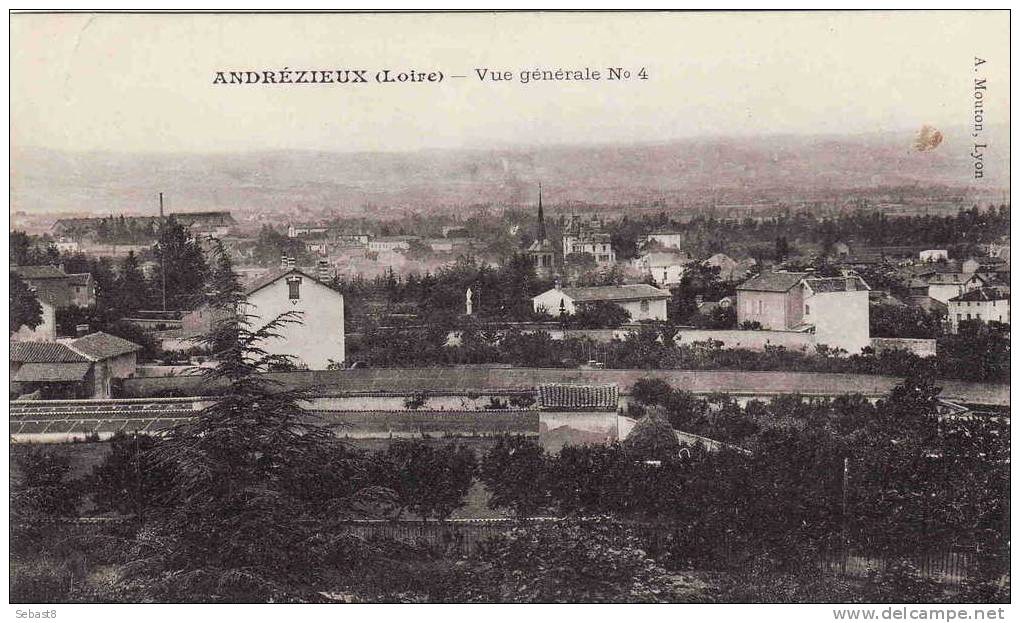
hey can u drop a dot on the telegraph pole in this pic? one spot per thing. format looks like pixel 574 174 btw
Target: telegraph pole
pixel 162 251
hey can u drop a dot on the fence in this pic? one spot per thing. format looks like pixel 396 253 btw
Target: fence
pixel 465 536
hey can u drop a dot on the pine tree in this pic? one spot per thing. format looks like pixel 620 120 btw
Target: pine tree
pixel 238 525
pixel 183 263
pixel 132 289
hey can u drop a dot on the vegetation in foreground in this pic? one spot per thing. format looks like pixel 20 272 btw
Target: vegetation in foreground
pixel 251 504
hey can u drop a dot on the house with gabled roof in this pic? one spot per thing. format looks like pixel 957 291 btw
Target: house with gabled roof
pixel 642 301
pixel 317 339
pixel 85 367
pixel 49 282
pixel 665 268
pixel 986 304
pixel 835 309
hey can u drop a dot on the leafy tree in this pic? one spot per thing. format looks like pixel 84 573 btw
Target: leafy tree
pixel 429 481
pixel 651 391
pixel 271 245
pixel 652 438
pixel 131 288
pixel 183 264
pixel 572 562
pixel 903 321
pixel 598 315
pixel 129 480
pixel 977 352
pixel 26 310
pixel 515 471
pixel 589 479
pixel 43 488
pixel 25 250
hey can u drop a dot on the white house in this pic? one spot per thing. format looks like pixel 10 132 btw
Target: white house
pixel 933 255
pixel 834 308
pixel 642 301
pixel 945 286
pixel 985 304
pixel 665 268
pixel 839 311
pixel 319 337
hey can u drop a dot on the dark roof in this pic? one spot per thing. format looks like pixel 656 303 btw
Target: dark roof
pixel 928 304
pixel 43 352
pixel 40 272
pixel 984 294
pixel 579 397
pixel 836 284
pixel 631 292
pixel 772 282
pixel 950 278
pixel 51 372
pixel 194 217
pixel 264 281
pixel 99 346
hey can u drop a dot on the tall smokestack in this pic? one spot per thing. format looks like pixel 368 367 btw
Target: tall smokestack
pixel 541 216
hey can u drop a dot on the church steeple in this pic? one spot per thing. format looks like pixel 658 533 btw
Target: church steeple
pixel 541 216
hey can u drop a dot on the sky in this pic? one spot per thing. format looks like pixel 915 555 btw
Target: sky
pixel 144 83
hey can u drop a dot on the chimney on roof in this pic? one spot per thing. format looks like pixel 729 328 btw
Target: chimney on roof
pixel 323 270
pixel 557 284
pixel 81 330
pixel 851 284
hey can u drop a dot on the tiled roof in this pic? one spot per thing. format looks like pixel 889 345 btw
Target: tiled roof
pixel 43 352
pixel 51 372
pixel 578 397
pixel 40 272
pixel 99 346
pixel 631 292
pixel 772 282
pixel 983 294
pixel 264 281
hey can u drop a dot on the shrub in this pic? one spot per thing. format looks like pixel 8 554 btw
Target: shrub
pixel 572 562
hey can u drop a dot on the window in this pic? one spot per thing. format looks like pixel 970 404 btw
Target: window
pixel 644 306
pixel 295 288
pixel 807 310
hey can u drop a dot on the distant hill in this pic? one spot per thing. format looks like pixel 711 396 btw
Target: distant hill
pixel 674 173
